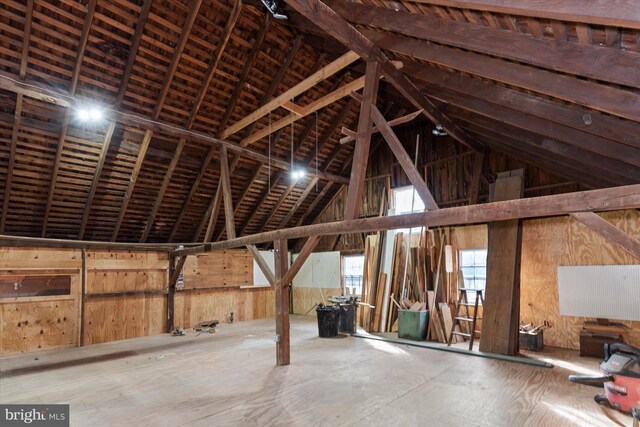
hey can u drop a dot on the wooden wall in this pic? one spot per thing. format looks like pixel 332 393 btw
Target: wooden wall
pixel 40 323
pixel 125 296
pixel 110 313
pixel 546 244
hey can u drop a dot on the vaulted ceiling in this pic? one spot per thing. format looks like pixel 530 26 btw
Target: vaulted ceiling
pixel 556 88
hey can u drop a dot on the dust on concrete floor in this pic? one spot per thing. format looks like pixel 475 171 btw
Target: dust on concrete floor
pixel 230 378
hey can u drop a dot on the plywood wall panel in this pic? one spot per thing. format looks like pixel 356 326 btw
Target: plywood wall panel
pixel 230 268
pixel 194 307
pixel 41 325
pixel 305 298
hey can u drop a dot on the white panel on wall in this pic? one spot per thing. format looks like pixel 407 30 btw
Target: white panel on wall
pixel 601 291
pixel 258 278
pixel 320 270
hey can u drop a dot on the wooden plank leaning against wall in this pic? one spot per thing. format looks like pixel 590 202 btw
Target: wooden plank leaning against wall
pixel 125 296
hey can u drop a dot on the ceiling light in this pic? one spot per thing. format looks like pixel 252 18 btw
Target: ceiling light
pixel 90 114
pixel 439 131
pixel 298 173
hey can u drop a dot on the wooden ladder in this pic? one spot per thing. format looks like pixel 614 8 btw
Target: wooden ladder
pixel 463 301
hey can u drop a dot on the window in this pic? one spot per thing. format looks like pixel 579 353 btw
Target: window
pixel 473 263
pixel 34 286
pixel 352 270
pixel 406 200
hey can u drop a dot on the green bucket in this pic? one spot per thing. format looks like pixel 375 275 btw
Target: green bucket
pixel 412 325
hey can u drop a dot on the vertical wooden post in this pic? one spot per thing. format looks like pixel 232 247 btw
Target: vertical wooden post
pixel 281 254
pixel 83 291
pixel 363 141
pixel 171 293
pixel 474 187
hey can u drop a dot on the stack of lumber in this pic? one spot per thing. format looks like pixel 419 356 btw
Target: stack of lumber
pixel 416 280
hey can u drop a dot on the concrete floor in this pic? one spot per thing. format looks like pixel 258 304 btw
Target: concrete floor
pixel 229 378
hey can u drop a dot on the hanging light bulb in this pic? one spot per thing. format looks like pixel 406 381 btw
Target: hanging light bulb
pixel 90 114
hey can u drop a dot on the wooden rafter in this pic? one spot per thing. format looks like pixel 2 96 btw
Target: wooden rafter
pixel 318 199
pixel 179 131
pixel 144 146
pixel 163 189
pixel 602 125
pixel 298 203
pixel 320 75
pixel 609 199
pixel 333 24
pixel 283 197
pixel 587 93
pixel 96 177
pixel 597 12
pixel 225 182
pixel 75 76
pixel 609 231
pixel 17 116
pixel 248 65
pixel 314 106
pixel 211 216
pixel 573 58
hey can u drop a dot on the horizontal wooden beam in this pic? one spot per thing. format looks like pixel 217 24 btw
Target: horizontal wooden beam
pixel 600 97
pixel 351 135
pixel 621 13
pixel 300 112
pixel 345 33
pixel 40 242
pixel 608 199
pixel 320 75
pixel 595 62
pixel 66 100
pixel 609 231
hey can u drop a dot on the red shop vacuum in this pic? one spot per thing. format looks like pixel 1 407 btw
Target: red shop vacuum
pixel 621 378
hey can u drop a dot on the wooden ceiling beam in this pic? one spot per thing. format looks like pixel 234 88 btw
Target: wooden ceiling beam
pixel 625 13
pixel 602 125
pixel 227 196
pixel 96 178
pixel 265 194
pixel 526 143
pixel 163 189
pixel 336 26
pixel 607 199
pixel 315 203
pixel 192 191
pixel 575 147
pixel 17 116
pixel 133 50
pixel 75 76
pixel 283 197
pixel 155 126
pixel 298 203
pixel 351 135
pixel 595 222
pixel 144 146
pixel 275 82
pixel 609 65
pixel 304 111
pixel 177 55
pixel 214 209
pixel 320 75
pixel 583 92
pixel 246 68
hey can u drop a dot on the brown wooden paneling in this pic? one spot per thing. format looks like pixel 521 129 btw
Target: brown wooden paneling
pixel 230 268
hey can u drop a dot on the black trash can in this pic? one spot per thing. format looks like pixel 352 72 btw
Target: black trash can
pixel 328 319
pixel 347 319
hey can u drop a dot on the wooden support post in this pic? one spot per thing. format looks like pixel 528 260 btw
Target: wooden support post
pixel 306 250
pixel 609 231
pixel 83 293
pixel 225 182
pixel 474 188
pixel 501 311
pixel 176 264
pixel 363 141
pixel 282 303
